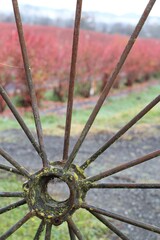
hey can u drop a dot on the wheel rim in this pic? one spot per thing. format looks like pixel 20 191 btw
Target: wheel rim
pixel 35 195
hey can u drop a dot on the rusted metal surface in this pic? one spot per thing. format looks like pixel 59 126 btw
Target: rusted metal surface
pixel 11 194
pixel 35 194
pixel 121 132
pixel 40 230
pixel 21 169
pixel 48 231
pixel 38 199
pixel 19 119
pixel 10 169
pixel 71 233
pixel 121 218
pixel 31 87
pixel 75 229
pixel 72 79
pixel 12 206
pixel 111 81
pixel 17 226
pixel 110 226
pixel 124 166
pixel 126 185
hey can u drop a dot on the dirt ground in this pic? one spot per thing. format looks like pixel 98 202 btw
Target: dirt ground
pixel 142 205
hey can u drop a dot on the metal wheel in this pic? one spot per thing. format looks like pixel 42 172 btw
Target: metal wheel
pixel 51 212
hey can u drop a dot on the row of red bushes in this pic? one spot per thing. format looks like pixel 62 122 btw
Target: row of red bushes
pixel 49 51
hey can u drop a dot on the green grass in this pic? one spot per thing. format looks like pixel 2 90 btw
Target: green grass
pixel 115 112
pixel 90 227
pixel 119 110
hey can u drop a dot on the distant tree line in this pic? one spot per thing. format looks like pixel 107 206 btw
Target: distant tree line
pixel 150 30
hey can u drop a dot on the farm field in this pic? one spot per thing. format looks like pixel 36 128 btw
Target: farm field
pixel 143 138
pixel 136 86
pixel 113 115
pixel 49 50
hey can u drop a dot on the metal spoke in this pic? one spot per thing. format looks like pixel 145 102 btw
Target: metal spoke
pixel 121 132
pixel 17 226
pixel 72 79
pixel 19 119
pixel 75 229
pixel 122 218
pixel 30 82
pixel 126 185
pixel 71 233
pixel 110 82
pixel 124 166
pixel 11 194
pixel 77 183
pixel 21 169
pixel 48 231
pixel 110 226
pixel 40 230
pixel 12 206
pixel 9 169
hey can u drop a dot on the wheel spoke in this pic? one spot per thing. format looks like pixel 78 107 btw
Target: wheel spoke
pixel 21 169
pixel 48 231
pixel 10 169
pixel 72 79
pixel 40 230
pixel 110 226
pixel 12 206
pixel 121 132
pixel 75 229
pixel 124 166
pixel 11 194
pixel 122 218
pixel 19 119
pixel 110 82
pixel 126 185
pixel 71 233
pixel 17 226
pixel 30 82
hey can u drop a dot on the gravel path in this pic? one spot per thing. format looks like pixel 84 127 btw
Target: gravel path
pixel 142 205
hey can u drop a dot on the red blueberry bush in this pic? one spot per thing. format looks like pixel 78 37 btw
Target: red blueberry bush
pixel 49 50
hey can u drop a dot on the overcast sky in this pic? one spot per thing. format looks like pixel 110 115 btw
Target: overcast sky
pixel 112 6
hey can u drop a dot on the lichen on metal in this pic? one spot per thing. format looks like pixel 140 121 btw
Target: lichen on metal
pixel 45 207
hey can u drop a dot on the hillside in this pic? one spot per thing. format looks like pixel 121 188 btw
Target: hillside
pixel 96 21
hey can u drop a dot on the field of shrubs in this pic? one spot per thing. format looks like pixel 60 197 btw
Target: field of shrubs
pixel 49 50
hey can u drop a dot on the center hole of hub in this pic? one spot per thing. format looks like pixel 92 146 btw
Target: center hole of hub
pixel 58 190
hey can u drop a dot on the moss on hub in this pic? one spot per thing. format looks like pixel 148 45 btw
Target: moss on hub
pixel 39 200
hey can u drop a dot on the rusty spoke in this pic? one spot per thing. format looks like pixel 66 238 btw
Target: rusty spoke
pixel 122 218
pixel 110 82
pixel 36 194
pixel 11 194
pixel 48 231
pixel 121 132
pixel 12 206
pixel 9 169
pixel 17 226
pixel 71 233
pixel 126 185
pixel 124 166
pixel 30 82
pixel 72 79
pixel 110 226
pixel 21 169
pixel 19 118
pixel 75 229
pixel 40 230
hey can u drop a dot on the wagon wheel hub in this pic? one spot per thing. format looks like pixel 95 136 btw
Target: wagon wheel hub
pixel 45 205
pixel 35 193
